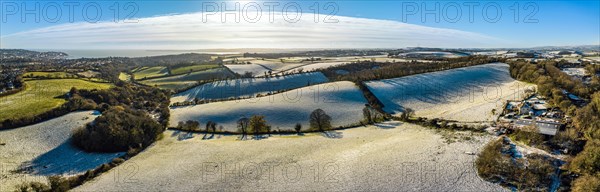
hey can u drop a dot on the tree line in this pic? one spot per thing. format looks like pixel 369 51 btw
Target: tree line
pixel 319 121
pixel 550 82
pixel 369 70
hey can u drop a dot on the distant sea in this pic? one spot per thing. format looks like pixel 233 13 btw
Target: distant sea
pixel 75 54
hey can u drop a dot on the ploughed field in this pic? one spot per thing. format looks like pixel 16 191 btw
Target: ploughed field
pixel 343 101
pixel 188 79
pixel 149 72
pixel 463 94
pixel 255 69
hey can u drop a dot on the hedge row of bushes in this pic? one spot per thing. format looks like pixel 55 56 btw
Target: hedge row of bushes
pixel 497 164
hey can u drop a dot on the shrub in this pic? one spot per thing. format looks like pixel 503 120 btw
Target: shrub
pixel 534 172
pixel 258 124
pixel 586 183
pixel 189 125
pixel 588 161
pixel 529 135
pixel 58 183
pixel 33 186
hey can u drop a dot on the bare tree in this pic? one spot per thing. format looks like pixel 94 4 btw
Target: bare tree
pixel 319 120
pixel 408 112
pixel 209 125
pixel 243 126
pixel 368 115
pixel 298 127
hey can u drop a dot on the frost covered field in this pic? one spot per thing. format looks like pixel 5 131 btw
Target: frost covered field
pixel 464 94
pixel 256 70
pixel 249 87
pixel 315 66
pixel 399 157
pixel 44 149
pixel 340 100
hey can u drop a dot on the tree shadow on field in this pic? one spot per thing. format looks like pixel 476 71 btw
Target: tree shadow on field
pixel 66 159
pixel 185 136
pixel 175 133
pixel 259 137
pixel 182 135
pixel 208 137
pixel 333 134
pixel 388 124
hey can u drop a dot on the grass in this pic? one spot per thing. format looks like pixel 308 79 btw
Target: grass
pixel 89 73
pixel 150 72
pixel 175 85
pixel 138 69
pixel 192 68
pixel 124 77
pixel 49 74
pixel 40 96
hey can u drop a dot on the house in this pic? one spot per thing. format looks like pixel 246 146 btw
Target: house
pixel 574 98
pixel 525 109
pixel 545 127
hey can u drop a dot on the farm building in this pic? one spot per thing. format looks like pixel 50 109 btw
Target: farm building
pixel 545 127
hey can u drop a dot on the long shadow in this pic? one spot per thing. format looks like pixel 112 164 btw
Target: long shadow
pixel 185 136
pixel 66 159
pixel 333 134
pixel 388 125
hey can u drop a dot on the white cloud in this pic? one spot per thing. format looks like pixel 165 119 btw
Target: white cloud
pixel 188 31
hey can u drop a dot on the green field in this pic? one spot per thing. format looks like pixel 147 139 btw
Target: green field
pixel 39 74
pixel 192 68
pixel 41 96
pixel 174 85
pixel 149 72
pixel 124 77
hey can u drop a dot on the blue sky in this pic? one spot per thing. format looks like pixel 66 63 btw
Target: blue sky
pixel 554 22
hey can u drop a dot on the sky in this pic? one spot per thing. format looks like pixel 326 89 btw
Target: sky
pixel 184 24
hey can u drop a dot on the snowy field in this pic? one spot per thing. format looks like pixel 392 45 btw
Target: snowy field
pixel 276 64
pixel 343 101
pixel 249 87
pixel 44 149
pixel 256 70
pixel 278 67
pixel 593 58
pixel 315 66
pixel 464 94
pixel 391 157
